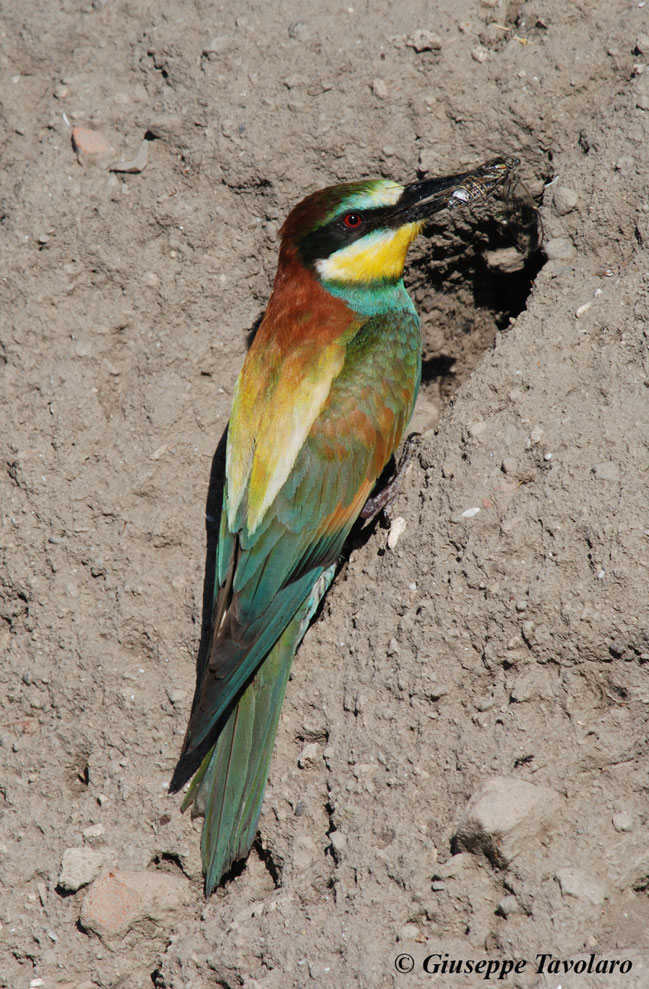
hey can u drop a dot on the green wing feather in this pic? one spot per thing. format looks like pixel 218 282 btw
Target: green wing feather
pixel 229 787
pixel 272 578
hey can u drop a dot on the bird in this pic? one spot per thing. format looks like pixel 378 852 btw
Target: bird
pixel 321 404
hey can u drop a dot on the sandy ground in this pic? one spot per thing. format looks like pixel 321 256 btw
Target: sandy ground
pixel 461 764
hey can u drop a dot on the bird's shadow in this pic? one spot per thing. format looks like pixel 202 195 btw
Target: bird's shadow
pixel 187 765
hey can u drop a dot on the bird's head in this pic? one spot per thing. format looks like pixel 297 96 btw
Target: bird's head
pixel 360 232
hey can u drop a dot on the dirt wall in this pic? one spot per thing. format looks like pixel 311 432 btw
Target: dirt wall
pixel 461 764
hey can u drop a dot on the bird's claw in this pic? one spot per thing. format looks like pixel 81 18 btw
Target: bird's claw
pixel 384 498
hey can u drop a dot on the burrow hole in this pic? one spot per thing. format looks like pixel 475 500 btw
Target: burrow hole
pixel 470 276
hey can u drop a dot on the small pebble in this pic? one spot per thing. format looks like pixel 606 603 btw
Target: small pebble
pixel 216 46
pixel 507 906
pixel 505 259
pixel 522 690
pixel 304 852
pixel 317 971
pixel 120 898
pixel 89 142
pixel 607 471
pixel 338 840
pixel 581 885
pixel 642 44
pixel 397 528
pixel 135 164
pixel 308 755
pixel 299 31
pixel 379 89
pixel 504 816
pixel 79 867
pixel 470 513
pixel 622 822
pixel 428 160
pixel 559 249
pixel 424 41
pixel 479 54
pixel 564 199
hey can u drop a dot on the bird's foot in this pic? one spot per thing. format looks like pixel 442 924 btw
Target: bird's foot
pixel 384 498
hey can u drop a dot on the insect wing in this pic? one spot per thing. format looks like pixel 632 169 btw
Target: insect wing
pixel 522 216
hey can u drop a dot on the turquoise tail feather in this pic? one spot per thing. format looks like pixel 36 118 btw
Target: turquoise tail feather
pixel 228 788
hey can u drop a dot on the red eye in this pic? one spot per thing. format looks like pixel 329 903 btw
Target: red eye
pixel 353 220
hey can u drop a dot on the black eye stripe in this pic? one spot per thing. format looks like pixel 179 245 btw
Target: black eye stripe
pixel 326 240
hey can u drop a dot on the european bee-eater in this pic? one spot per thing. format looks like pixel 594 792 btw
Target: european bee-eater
pixel 321 404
